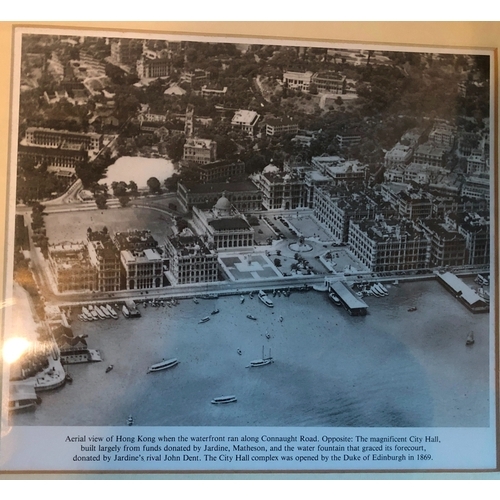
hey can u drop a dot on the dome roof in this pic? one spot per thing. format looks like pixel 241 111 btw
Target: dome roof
pixel 223 204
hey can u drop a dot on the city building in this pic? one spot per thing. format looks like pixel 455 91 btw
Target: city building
pixel 442 134
pixel 339 169
pixel 284 190
pixel 223 226
pixel 63 139
pixel 329 82
pixel 214 91
pixel 105 258
pixel 477 186
pixel 200 151
pixel 385 245
pixel 429 154
pixel 245 121
pixel 446 245
pixel 71 267
pixel 298 80
pixel 348 139
pixel 398 157
pixel 141 259
pixel 475 228
pixel 125 51
pixel 157 67
pixel 196 78
pixel 191 261
pixel 243 195
pixel 280 126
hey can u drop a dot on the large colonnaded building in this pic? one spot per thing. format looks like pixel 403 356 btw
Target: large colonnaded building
pixel 62 150
pixel 224 226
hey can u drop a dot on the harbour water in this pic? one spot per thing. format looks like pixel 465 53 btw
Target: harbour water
pixel 391 368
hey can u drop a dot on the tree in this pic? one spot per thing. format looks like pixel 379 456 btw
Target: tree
pixel 277 262
pixel 154 185
pixel 124 200
pixel 101 201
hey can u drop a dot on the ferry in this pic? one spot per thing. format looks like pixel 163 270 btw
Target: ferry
pixel 215 311
pixel 265 299
pixel 204 320
pixel 163 365
pixel 222 400
pixel 412 309
pixel 109 368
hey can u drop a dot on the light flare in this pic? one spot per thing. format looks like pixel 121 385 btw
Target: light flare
pixel 14 348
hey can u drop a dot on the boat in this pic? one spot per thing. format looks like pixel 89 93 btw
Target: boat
pixel 204 320
pixel 125 311
pixel 222 400
pixel 215 311
pixel 262 361
pixel 68 378
pixel 86 314
pixel 334 299
pixel 93 312
pixel 196 301
pixel 383 288
pixel 130 420
pixel 249 316
pixel 470 339
pixel 103 313
pixel 111 311
pixel 265 299
pixel 239 351
pixel 242 299
pixel 81 317
pixel 412 309
pixel 109 368
pixel 163 365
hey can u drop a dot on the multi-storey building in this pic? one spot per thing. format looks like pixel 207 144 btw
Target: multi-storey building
pixel 191 261
pixel 429 154
pixel 71 268
pixel 245 120
pixel 197 77
pixel 207 91
pixel 388 245
pixel 335 207
pixel 125 51
pixel 398 157
pixel 348 139
pixel 223 226
pixel 243 195
pixel 340 170
pixel 280 126
pixel 220 171
pixel 201 151
pixel 141 259
pixel 157 67
pixel 446 245
pixel 476 164
pixel 298 80
pixel 50 138
pixel 280 189
pixel 442 134
pixel 477 186
pixel 475 228
pixel 329 82
pixel 61 161
pixel 105 257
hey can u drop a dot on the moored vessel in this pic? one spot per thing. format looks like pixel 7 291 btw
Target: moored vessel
pixel 163 365
pixel 265 299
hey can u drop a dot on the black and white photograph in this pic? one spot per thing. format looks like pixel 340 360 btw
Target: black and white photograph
pixel 248 254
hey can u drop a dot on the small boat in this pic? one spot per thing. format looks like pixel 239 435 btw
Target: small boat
pixel 470 339
pixel 163 365
pixel 111 311
pixel 130 420
pixel 242 299
pixel 265 299
pixel 204 320
pixel 68 378
pixel 262 361
pixel 215 311
pixel 412 309
pixel 222 400
pixel 196 301
pixel 109 368
pixel 104 313
pixel 93 312
pixel 249 316
pixel 333 297
pixel 81 317
pixel 281 319
pixel 125 311
pixel 268 336
pixel 250 295
pixel 239 351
